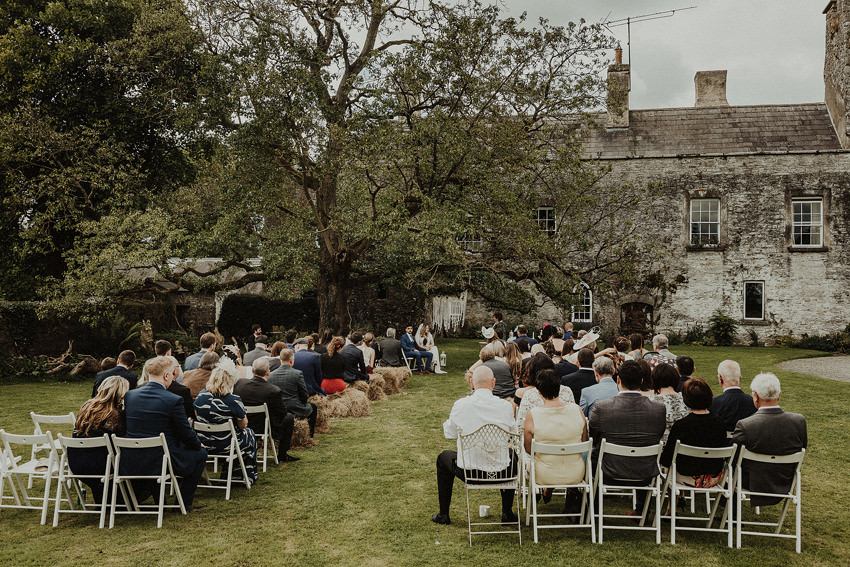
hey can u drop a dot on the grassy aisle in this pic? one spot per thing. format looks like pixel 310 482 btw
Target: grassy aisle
pixel 364 495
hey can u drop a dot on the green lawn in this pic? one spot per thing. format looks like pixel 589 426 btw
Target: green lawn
pixel 365 494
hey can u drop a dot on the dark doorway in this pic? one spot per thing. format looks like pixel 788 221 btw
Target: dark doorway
pixel 635 318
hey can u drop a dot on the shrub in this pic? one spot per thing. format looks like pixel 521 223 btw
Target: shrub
pixel 754 337
pixel 674 338
pixel 722 328
pixel 695 335
pixel 832 342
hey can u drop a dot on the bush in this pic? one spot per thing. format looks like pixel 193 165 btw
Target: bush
pixel 722 328
pixel 695 335
pixel 240 311
pixel 674 338
pixel 754 337
pixel 832 342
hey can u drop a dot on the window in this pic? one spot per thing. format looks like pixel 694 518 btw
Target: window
pixel 754 300
pixel 470 242
pixel 583 312
pixel 705 222
pixel 807 222
pixel 546 220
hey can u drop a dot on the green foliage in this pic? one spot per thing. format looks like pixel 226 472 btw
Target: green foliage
pixel 674 338
pixel 18 321
pixel 722 328
pixel 831 342
pixel 695 334
pixel 239 312
pixel 754 338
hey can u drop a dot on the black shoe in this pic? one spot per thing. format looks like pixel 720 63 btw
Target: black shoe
pixel 509 518
pixel 288 459
pixel 441 519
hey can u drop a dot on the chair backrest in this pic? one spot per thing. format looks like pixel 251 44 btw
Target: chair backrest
pixel 226 427
pixel 571 449
pixel 66 419
pixel 625 451
pixel 33 439
pixel 489 448
pixel 139 442
pixel 794 458
pixel 86 442
pixel 257 409
pixel 704 452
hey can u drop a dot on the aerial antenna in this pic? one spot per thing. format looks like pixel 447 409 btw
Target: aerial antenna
pixel 635 19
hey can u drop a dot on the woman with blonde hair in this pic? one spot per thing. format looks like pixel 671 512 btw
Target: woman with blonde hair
pixel 218 404
pixel 103 414
pixel 514 359
pixel 333 367
pixel 425 341
pixel 368 352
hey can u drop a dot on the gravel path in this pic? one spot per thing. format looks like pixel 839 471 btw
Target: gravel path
pixel 831 367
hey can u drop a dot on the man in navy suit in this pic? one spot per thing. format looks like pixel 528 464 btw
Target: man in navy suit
pixel 310 365
pixel 126 360
pixel 733 404
pixel 152 409
pixel 355 366
pixel 412 350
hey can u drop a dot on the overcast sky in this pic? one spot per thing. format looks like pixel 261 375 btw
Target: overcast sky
pixel 773 50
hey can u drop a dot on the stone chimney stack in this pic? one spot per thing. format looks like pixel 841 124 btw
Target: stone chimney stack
pixel 710 88
pixel 619 84
pixel 836 68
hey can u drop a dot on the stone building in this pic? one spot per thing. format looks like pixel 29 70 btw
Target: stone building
pixel 752 211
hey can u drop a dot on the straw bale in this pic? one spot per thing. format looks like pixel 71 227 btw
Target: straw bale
pixel 301 435
pixel 395 378
pixel 322 423
pixel 360 385
pixel 377 386
pixel 348 403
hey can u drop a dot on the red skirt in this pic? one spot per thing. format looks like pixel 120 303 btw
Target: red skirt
pixel 333 386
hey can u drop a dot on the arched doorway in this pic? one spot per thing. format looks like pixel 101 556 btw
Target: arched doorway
pixel 635 317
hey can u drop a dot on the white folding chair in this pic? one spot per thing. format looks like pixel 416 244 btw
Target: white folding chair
pixel 793 496
pixel 585 486
pixel 54 421
pixel 266 434
pixel 122 479
pixel 232 455
pixel 619 486
pixel 724 489
pixel 495 451
pixel 69 480
pixel 12 471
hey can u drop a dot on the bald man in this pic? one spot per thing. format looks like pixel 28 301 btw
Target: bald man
pixel 468 415
pixel 733 404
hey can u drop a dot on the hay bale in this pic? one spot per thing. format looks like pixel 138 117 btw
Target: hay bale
pixel 377 386
pixel 360 385
pixel 395 378
pixel 301 435
pixel 322 423
pixel 349 403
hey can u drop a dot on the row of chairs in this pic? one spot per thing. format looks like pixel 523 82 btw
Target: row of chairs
pixel 595 490
pixel 49 462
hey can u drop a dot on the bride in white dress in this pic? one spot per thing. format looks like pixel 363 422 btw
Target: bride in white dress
pixel 425 341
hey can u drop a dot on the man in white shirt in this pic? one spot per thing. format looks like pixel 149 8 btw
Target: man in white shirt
pixel 468 415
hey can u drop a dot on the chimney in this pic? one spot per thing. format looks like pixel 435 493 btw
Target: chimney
pixel 619 84
pixel 836 71
pixel 710 88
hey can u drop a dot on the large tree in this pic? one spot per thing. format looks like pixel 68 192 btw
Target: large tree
pixel 380 141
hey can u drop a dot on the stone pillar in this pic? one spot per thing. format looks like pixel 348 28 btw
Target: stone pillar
pixel 836 68
pixel 710 88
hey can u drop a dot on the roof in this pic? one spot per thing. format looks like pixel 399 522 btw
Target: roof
pixel 715 130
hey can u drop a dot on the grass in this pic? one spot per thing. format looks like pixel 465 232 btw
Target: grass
pixel 364 495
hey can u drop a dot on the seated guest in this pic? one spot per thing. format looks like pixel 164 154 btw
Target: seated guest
pixel 659 345
pixel 568 331
pixel 274 354
pixel 179 389
pixel 126 360
pixel 368 351
pixel 425 341
pixel 618 352
pixel 685 366
pixel 310 365
pixel 163 348
pixel 469 414
pixel 412 350
pixel 769 431
pixel 700 428
pixel 564 366
pixel 108 363
pixel 557 422
pixel 256 392
pixel 558 340
pixel 514 360
pixel 260 344
pixel 391 351
pixel 546 333
pixel 207 342
pixel 533 366
pixel 532 397
pixel 636 344
pixel 103 414
pixel 733 404
pixel 290 337
pixel 605 387
pixel 322 346
pixel 584 376
pixel 355 366
pixel 196 380
pixel 217 404
pixel 294 390
pixel 312 341
pixel 646 383
pixel 665 378
pixel 333 367
pixel 632 420
pixel 505 386
pixel 152 410
pixel 522 333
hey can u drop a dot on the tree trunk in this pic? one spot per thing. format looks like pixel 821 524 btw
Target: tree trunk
pixel 334 290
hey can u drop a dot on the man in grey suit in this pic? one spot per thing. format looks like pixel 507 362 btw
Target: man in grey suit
pixel 629 419
pixel 294 389
pixel 391 353
pixel 770 431
pixel 259 351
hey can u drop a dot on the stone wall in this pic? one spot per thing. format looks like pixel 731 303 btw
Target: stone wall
pixel 836 69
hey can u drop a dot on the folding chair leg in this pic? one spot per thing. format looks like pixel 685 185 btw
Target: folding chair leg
pixel 782 515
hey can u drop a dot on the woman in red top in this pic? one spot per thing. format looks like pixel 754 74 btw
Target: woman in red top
pixel 333 367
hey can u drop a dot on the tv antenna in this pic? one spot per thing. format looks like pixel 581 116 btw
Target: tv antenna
pixel 644 18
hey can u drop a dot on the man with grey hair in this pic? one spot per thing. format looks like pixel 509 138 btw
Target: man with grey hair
pixel 770 431
pixel 659 345
pixel 256 392
pixel 391 353
pixel 606 387
pixel 733 404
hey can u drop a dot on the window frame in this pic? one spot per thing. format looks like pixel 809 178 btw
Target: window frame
pixel 744 300
pixel 586 304
pixel 691 222
pixel 550 218
pixel 794 224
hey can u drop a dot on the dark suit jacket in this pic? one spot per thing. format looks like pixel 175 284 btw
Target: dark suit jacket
pixel 355 366
pixel 408 344
pixel 256 392
pixel 578 381
pixel 152 410
pixel 632 420
pixel 770 431
pixel 732 406
pixel 117 371
pixel 310 365
pixel 186 395
pixel 566 367
pixel 391 353
pixel 294 390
